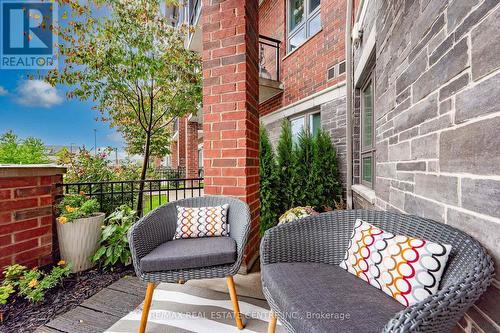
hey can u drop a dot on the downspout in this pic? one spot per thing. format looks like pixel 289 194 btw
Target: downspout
pixel 348 61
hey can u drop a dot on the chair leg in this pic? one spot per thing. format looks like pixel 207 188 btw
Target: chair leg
pixel 234 300
pixel 147 305
pixel 272 323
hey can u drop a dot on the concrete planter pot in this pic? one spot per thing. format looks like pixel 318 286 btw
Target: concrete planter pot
pixel 78 241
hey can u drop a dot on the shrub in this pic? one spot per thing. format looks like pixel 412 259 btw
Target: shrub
pixel 326 189
pixel 113 245
pixel 31 284
pixel 76 206
pixel 269 184
pixel 302 181
pixel 286 167
pixel 306 175
pixel 84 166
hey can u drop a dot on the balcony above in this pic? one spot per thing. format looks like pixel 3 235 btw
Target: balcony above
pixel 269 68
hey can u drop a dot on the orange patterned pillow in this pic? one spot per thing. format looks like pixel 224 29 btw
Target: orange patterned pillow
pixel 406 268
pixel 195 222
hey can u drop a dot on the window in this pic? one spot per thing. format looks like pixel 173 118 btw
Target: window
pixel 200 156
pixel 303 21
pixel 367 135
pixel 310 122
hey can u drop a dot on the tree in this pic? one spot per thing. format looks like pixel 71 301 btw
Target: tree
pixel 326 188
pixel 286 167
pixel 269 183
pixel 16 151
pixel 304 155
pixel 133 64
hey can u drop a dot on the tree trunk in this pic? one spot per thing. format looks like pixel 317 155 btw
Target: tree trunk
pixel 143 174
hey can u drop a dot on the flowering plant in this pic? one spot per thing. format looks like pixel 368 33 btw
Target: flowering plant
pixel 301 212
pixel 31 283
pixel 76 206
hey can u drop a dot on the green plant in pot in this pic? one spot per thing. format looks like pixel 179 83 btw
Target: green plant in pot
pixel 78 230
pixel 113 244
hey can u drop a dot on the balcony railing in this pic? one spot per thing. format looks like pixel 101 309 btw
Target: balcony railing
pixel 269 58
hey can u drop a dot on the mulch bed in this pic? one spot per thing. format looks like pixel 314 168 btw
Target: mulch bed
pixel 23 317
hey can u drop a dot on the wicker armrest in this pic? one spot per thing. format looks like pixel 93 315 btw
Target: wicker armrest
pixel 152 230
pixel 311 239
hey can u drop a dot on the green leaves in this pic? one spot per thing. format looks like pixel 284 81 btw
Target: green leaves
pixel 76 206
pixel 32 284
pixel 127 58
pixel 16 151
pixel 269 184
pixel 113 244
pixel 305 174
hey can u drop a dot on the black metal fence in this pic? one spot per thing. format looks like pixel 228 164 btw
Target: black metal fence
pixel 156 192
pixel 168 173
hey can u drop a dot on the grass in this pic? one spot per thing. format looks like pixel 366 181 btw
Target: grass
pixel 155 202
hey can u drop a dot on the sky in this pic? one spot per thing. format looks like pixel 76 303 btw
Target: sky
pixel 34 108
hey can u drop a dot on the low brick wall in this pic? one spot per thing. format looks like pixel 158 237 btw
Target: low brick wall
pixel 27 195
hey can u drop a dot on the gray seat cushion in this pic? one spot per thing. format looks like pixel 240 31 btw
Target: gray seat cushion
pixel 325 298
pixel 190 253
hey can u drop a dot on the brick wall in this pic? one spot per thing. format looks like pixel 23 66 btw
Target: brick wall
pixel 174 152
pixel 304 71
pixel 230 104
pixel 26 215
pixel 181 141
pixel 192 150
pixel 437 74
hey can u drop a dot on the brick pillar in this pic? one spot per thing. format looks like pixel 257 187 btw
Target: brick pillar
pixel 192 150
pixel 181 142
pixel 230 104
pixel 174 153
pixel 27 229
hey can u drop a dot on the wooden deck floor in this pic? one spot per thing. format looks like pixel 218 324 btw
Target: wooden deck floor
pixel 100 311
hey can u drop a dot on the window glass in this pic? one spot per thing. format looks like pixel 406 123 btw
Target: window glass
pixel 314 123
pixel 297 39
pixel 314 25
pixel 313 4
pixel 367 169
pixel 297 126
pixel 367 116
pixel 296 13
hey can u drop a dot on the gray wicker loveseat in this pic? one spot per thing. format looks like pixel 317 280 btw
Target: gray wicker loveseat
pixel 309 292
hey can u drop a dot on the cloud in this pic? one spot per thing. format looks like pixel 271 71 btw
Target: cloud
pixel 3 91
pixel 115 137
pixel 37 93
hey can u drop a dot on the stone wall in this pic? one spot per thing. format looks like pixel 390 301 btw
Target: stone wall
pixel 437 74
pixel 27 194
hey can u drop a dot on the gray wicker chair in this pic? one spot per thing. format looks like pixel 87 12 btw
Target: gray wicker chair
pixel 313 245
pixel 158 227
